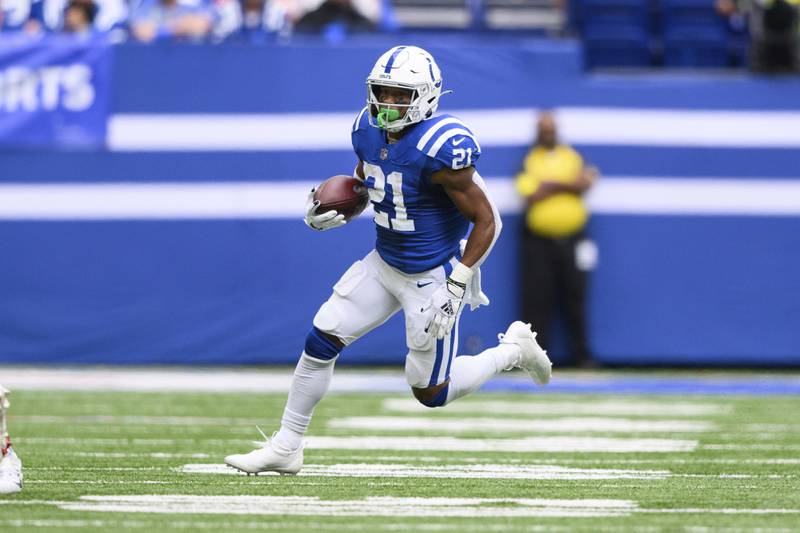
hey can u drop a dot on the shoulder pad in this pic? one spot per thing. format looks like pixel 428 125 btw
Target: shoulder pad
pixel 450 143
pixel 361 120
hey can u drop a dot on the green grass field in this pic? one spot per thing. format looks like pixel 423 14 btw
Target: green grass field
pixel 725 463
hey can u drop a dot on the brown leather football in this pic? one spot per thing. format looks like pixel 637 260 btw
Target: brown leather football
pixel 344 194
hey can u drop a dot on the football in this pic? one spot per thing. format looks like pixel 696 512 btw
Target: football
pixel 344 194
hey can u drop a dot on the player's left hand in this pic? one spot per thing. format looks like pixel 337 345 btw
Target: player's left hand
pixel 443 308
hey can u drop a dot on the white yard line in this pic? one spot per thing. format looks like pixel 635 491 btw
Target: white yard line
pixel 771 447
pixel 543 406
pixel 548 444
pixel 49 481
pixel 543 460
pixel 399 470
pixel 701 510
pixel 558 425
pixel 113 442
pixel 155 455
pixel 139 420
pixel 194 380
pixel 368 507
pixel 485 471
pixel 371 506
pixel 456 460
pixel 384 507
pixel 282 525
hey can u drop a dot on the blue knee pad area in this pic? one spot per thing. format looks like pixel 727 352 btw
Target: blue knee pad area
pixel 438 400
pixel 319 346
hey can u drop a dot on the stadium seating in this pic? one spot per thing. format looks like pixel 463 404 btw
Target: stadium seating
pixel 673 33
pixel 694 35
pixel 616 33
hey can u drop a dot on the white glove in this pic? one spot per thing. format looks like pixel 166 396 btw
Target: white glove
pixel 322 221
pixel 445 303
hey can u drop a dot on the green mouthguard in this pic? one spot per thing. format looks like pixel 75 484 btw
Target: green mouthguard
pixel 386 115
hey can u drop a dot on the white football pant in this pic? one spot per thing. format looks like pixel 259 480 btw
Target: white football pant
pixel 370 292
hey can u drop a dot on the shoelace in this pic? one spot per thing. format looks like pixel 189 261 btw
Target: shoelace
pixel 268 442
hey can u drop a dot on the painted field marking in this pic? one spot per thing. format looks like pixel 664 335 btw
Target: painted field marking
pixel 486 471
pixel 95 482
pixel 155 455
pixel 111 441
pixel 383 506
pixel 550 444
pixel 543 460
pixel 460 459
pixel 617 407
pixel 194 380
pixel 700 510
pixel 282 525
pixel 123 483
pixel 139 420
pixel 771 447
pixel 558 425
pixel 115 525
pixel 371 506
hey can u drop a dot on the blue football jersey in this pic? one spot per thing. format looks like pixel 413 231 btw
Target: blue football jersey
pixel 418 225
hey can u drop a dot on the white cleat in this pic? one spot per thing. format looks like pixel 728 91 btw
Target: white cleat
pixel 10 473
pixel 268 458
pixel 533 359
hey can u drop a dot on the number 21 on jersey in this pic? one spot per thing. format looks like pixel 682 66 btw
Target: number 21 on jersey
pixel 400 222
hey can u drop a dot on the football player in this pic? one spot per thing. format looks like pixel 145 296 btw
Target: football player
pixel 419 169
pixel 10 465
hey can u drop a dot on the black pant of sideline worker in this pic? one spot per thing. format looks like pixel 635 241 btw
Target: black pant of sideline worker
pixel 550 280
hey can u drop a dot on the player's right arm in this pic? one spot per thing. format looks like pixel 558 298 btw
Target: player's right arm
pixel 333 219
pixel 321 221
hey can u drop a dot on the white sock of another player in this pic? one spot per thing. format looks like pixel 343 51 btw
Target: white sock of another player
pixel 312 378
pixel 468 373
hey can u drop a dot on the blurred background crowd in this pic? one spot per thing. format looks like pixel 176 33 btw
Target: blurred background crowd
pixel 763 34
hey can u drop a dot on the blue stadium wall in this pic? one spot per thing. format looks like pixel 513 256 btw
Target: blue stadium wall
pixel 670 288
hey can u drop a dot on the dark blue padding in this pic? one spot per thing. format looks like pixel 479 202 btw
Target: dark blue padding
pixel 319 346
pixel 438 400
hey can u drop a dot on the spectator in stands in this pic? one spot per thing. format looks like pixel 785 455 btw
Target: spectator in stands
pixel 335 17
pixel 555 254
pixel 251 21
pixel 774 27
pixel 79 18
pixel 171 20
pixel 110 16
pixel 17 16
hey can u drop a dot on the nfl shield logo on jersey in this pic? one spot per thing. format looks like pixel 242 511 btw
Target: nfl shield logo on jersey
pixel 384 153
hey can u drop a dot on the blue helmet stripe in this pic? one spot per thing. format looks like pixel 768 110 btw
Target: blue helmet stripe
pixel 430 68
pixel 389 64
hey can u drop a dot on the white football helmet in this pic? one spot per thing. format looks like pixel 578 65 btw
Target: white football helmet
pixel 405 67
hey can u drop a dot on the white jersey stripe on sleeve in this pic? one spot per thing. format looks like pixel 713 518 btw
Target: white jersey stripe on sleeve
pixel 358 120
pixel 446 136
pixel 431 132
